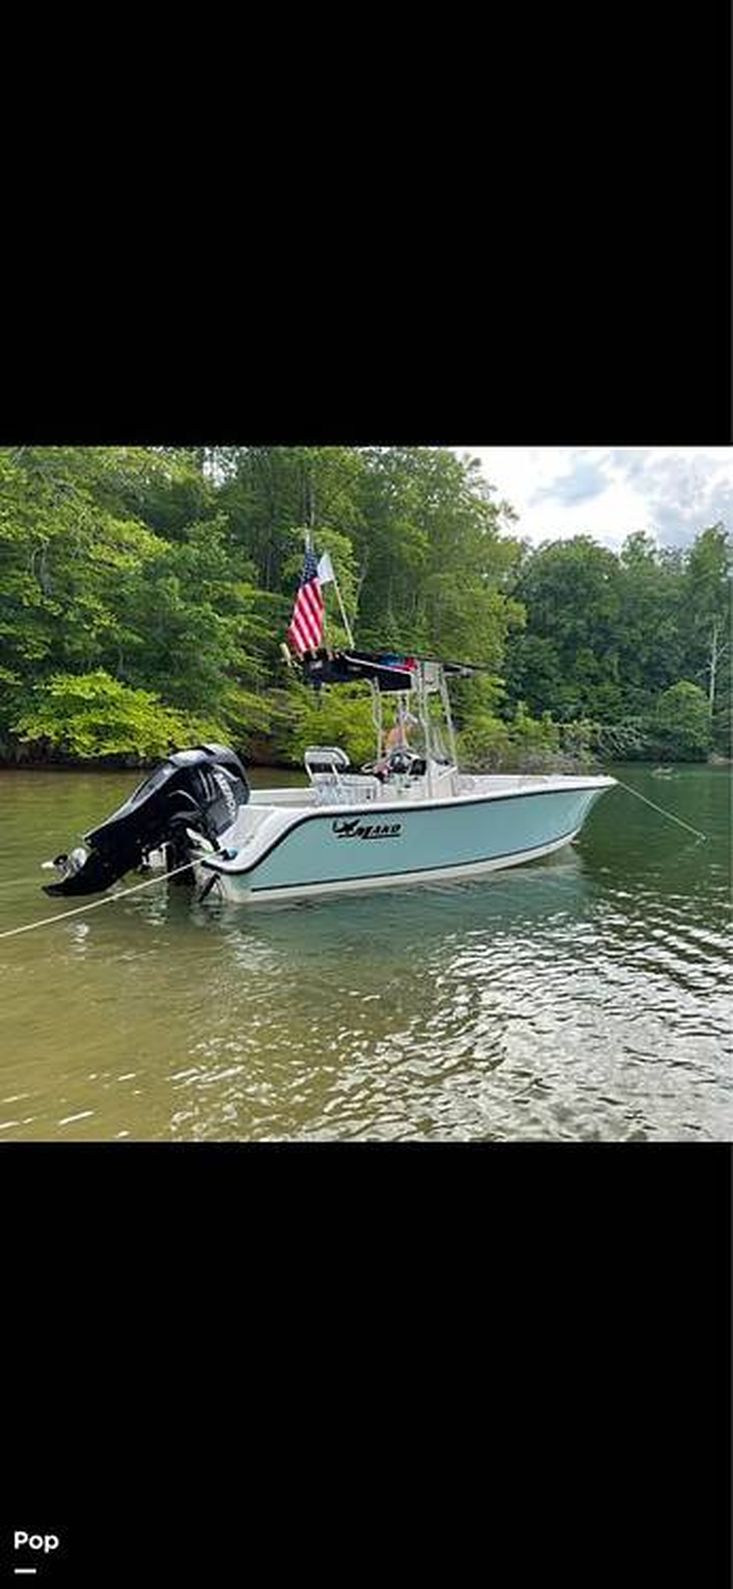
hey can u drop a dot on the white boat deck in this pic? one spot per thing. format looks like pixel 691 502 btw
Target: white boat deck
pixel 297 840
pixel 359 790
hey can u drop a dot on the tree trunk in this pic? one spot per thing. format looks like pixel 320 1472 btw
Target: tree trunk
pixel 713 667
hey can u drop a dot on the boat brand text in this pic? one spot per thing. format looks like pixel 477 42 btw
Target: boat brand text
pixel 366 830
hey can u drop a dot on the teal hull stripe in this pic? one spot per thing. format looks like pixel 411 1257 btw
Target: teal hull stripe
pixel 362 877
pixel 575 799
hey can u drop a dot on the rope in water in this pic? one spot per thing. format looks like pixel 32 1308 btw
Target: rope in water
pixel 110 899
pixel 661 810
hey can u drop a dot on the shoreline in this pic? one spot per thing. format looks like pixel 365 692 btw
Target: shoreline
pixel 122 764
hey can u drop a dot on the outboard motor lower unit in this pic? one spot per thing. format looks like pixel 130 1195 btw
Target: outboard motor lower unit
pixel 193 795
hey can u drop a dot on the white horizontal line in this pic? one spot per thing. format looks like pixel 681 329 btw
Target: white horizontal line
pixel 25 1569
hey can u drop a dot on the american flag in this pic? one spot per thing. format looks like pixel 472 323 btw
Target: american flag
pixel 306 625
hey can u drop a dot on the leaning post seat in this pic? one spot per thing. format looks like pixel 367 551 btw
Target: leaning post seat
pixel 325 761
pixel 327 767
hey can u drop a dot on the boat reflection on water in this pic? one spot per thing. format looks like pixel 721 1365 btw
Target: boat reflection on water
pixel 379 924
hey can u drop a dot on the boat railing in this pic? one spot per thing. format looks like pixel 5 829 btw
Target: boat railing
pixel 349 789
pixel 332 783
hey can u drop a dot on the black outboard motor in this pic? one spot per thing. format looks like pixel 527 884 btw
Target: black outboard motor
pixel 201 789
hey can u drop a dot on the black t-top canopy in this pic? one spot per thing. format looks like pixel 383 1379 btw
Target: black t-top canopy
pixel 389 670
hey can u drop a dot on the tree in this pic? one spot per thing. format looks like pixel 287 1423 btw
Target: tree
pixel 92 715
pixel 435 569
pixel 65 544
pixel 650 638
pixel 86 588
pixel 269 493
pixel 707 606
pixel 569 649
pixel 170 574
pixel 680 726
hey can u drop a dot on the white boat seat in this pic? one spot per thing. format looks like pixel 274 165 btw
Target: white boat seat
pixel 322 760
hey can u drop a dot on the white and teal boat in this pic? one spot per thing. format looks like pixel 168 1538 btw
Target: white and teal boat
pixel 410 816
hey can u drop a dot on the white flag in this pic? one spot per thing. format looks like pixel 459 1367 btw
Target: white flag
pixel 325 570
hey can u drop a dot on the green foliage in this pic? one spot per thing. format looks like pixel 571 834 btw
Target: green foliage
pixel 341 716
pixel 680 727
pixel 267 492
pixel 485 743
pixel 607 636
pixel 722 718
pixel 572 596
pixel 526 743
pixel 433 564
pixel 167 576
pixel 194 617
pixel 92 715
pixel 87 589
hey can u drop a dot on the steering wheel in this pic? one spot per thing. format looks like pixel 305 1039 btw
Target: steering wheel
pixel 399 760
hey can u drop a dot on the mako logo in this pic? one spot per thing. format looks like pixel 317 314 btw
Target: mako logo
pixel 356 829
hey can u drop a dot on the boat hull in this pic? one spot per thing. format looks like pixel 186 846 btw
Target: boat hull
pixel 327 851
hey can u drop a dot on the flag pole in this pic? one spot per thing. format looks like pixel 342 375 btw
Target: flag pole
pixel 347 625
pixel 329 578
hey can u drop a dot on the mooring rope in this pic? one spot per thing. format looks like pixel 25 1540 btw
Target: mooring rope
pixel 109 899
pixel 661 810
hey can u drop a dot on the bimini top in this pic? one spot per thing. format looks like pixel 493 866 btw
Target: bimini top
pixel 389 670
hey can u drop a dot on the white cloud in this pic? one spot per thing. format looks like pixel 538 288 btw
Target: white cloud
pixel 606 492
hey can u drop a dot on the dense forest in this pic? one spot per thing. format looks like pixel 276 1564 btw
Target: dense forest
pixel 145 593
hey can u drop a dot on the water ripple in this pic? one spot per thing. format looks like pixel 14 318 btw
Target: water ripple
pixel 586 997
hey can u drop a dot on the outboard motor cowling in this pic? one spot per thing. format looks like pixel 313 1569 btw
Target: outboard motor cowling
pixel 193 794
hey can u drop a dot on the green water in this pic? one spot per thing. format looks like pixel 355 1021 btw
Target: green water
pixel 585 996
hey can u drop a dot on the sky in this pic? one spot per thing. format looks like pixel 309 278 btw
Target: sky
pixel 606 492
